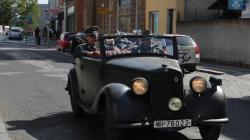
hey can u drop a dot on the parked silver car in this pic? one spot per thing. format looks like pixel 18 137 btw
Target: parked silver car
pixel 15 34
pixel 187 45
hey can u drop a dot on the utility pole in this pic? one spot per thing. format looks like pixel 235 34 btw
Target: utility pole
pixel 65 16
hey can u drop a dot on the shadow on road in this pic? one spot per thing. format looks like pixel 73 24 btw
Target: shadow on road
pixel 34 54
pixel 238 113
pixel 63 126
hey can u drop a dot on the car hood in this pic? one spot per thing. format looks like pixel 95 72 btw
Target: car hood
pixel 145 63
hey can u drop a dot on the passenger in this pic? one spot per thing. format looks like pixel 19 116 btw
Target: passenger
pixel 144 47
pixel 88 48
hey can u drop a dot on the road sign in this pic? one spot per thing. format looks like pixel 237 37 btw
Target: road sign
pixel 103 10
pixel 235 4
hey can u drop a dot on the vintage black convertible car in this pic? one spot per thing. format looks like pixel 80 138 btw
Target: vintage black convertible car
pixel 136 82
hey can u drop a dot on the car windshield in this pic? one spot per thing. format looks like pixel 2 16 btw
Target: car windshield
pixel 69 35
pixel 15 30
pixel 138 45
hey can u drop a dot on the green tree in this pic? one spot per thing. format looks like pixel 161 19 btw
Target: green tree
pixel 6 10
pixel 28 13
pixel 24 13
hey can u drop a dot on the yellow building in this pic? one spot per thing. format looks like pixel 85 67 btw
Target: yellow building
pixel 161 15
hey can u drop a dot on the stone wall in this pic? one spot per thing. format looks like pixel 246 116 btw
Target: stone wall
pixel 221 40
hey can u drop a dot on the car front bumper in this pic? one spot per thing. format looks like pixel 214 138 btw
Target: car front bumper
pixel 219 121
pixel 214 121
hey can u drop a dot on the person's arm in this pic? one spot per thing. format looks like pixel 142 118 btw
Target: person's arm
pixel 82 50
pixel 78 51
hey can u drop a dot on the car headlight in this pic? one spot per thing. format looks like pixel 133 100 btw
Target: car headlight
pixel 175 104
pixel 198 84
pixel 139 86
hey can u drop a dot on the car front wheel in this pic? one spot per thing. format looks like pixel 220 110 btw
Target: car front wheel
pixel 210 132
pixel 58 48
pixel 110 132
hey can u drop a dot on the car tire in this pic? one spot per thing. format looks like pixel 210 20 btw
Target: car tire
pixel 210 132
pixel 110 132
pixel 77 110
pixel 58 48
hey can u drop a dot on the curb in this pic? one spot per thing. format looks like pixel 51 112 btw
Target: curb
pixel 64 53
pixel 3 133
pixel 210 71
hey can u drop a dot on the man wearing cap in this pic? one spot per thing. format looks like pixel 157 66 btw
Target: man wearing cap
pixel 144 47
pixel 88 47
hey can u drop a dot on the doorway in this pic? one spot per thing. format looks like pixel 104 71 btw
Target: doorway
pixel 154 21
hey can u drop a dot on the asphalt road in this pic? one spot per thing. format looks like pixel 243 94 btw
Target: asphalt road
pixel 34 105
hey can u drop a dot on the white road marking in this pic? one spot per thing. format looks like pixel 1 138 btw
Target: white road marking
pixel 21 48
pixel 3 64
pixel 63 76
pixel 10 73
pixel 3 133
pixel 48 69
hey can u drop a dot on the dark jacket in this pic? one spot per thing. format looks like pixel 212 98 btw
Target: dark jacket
pixel 82 49
pixel 75 41
pixel 37 32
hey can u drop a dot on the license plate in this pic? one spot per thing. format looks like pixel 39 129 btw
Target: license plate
pixel 172 123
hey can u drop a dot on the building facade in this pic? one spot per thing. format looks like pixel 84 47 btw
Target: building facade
pixel 159 16
pixel 205 10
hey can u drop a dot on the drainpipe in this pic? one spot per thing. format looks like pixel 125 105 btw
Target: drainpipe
pixel 136 14
pixel 110 14
pixel 94 12
pixel 117 14
pixel 65 16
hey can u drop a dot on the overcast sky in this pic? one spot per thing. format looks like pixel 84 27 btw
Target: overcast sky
pixel 42 1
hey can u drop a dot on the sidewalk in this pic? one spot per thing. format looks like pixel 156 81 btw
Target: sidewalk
pixel 3 133
pixel 31 41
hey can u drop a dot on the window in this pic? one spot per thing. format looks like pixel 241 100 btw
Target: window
pixel 124 23
pixel 124 2
pixel 185 41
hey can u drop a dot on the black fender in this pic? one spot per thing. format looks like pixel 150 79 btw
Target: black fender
pixel 72 73
pixel 73 79
pixel 124 105
pixel 210 104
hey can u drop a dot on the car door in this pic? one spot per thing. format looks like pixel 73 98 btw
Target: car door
pixel 91 79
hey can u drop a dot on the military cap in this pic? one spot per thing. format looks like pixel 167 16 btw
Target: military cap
pixel 147 39
pixel 93 30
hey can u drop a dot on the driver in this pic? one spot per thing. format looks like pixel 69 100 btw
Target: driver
pixel 88 48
